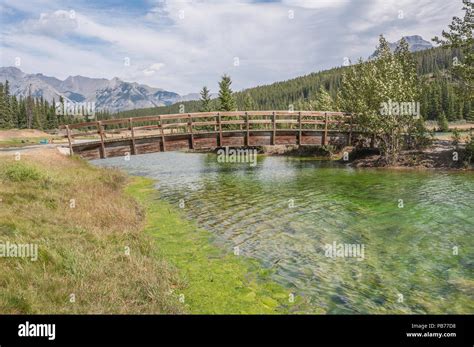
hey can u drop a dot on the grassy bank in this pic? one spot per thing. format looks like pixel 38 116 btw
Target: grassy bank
pixel 102 251
pixel 82 222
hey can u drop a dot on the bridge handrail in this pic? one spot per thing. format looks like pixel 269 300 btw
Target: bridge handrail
pixel 207 115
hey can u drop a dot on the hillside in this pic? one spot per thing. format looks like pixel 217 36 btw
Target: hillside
pixel 438 96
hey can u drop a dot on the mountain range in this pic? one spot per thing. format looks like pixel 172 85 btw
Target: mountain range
pixel 113 95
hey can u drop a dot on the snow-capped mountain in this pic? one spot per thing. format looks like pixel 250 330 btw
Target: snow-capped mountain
pixel 415 43
pixel 113 95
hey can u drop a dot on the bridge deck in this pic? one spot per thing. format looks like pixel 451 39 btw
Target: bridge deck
pixel 213 129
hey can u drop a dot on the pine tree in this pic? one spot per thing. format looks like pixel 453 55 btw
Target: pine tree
pixel 205 100
pixel 15 107
pixel 22 115
pixel 461 36
pixel 249 103
pixel 226 99
pixel 323 101
pixel 443 122
pixel 6 119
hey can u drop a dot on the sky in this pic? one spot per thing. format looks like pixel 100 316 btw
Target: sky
pixel 182 45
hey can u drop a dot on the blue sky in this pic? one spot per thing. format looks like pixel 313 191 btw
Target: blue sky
pixel 181 45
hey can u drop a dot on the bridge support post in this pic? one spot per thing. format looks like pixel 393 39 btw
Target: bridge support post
pixel 220 129
pixel 132 133
pixel 274 127
pixel 299 128
pixel 162 134
pixel 102 152
pixel 247 128
pixel 190 124
pixel 69 139
pixel 325 135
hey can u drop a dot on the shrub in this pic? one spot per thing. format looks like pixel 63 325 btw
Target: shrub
pixel 456 137
pixel 469 152
pixel 443 123
pixel 19 172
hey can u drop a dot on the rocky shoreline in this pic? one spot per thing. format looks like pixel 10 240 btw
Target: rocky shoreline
pixel 441 154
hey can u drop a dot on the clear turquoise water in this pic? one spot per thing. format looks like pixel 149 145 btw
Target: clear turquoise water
pixel 284 212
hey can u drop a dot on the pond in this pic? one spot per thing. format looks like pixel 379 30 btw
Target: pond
pixel 346 240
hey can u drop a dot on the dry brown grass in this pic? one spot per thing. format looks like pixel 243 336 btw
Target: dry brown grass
pixel 82 250
pixel 19 133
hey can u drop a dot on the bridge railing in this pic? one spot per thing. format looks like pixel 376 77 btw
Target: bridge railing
pixel 210 122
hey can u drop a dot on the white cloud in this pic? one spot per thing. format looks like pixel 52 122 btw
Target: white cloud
pixel 315 4
pixel 152 69
pixel 181 46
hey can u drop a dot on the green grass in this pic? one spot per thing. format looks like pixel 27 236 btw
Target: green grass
pixel 18 143
pixel 20 172
pixel 215 281
pixel 29 141
pixel 81 249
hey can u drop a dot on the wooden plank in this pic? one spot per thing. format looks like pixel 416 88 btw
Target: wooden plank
pixel 191 144
pixel 247 126
pixel 312 122
pixel 204 123
pixel 274 128
pixel 299 128
pixel 175 125
pixel 71 152
pixel 325 135
pixel 220 129
pixel 147 127
pixel 163 143
pixel 289 121
pixel 103 154
pixel 260 121
pixel 146 119
pixel 233 122
pixel 132 133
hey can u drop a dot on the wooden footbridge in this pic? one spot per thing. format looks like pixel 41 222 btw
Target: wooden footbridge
pixel 207 130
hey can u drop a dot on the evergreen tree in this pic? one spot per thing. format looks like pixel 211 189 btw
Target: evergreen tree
pixel 460 35
pixel 226 99
pixel 6 117
pixel 249 103
pixel 205 100
pixel 443 122
pixel 323 101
